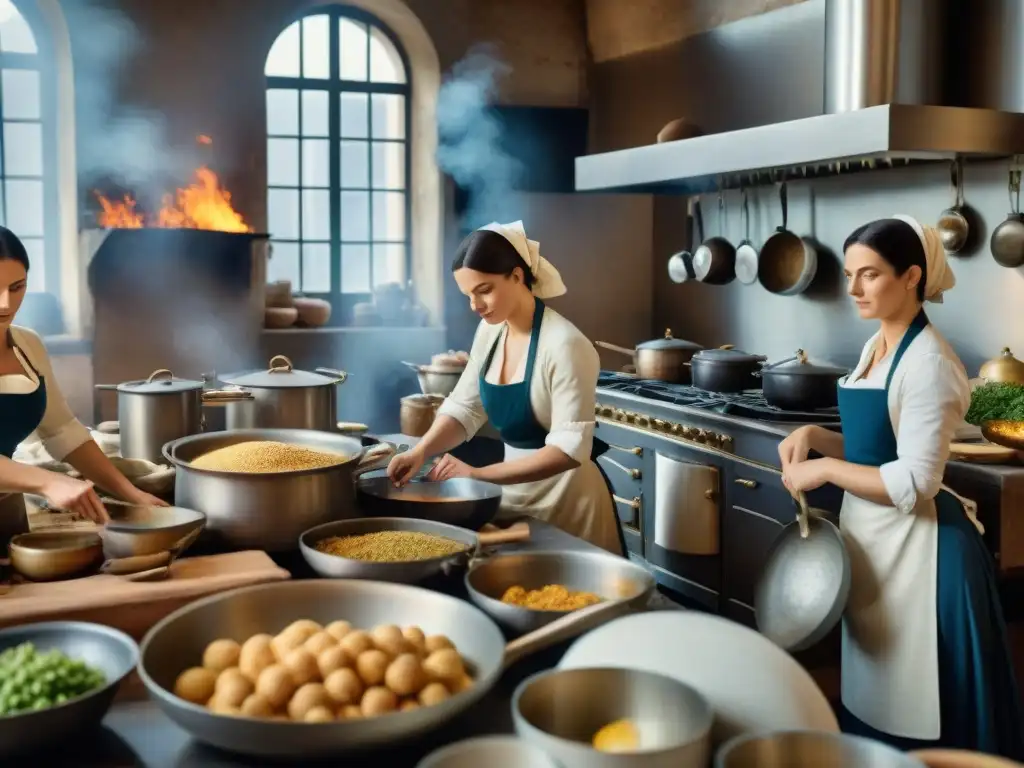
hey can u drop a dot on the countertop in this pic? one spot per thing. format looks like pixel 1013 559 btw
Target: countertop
pixel 138 734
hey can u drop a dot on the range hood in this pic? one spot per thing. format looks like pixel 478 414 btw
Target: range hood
pixel 884 135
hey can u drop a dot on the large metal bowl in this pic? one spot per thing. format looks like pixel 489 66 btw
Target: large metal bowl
pixel 269 511
pixel 106 649
pixel 490 751
pixel 810 749
pixel 55 555
pixel 335 567
pixel 139 530
pixel 460 501
pixel 612 578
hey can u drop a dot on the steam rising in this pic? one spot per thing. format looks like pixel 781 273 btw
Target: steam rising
pixel 470 136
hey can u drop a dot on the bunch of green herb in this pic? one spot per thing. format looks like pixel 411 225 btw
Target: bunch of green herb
pixel 30 680
pixel 996 400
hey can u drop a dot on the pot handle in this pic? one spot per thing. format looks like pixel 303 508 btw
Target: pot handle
pixel 213 397
pixel 341 376
pixel 616 348
pixel 376 457
pixel 105 387
pixel 415 366
pixel 279 364
pixel 800 356
pixel 514 533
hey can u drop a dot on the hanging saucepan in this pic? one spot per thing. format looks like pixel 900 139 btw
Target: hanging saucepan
pixel 797 384
pixel 680 265
pixel 746 251
pixel 714 261
pixel 663 359
pixel 1007 242
pixel 788 263
pixel 954 230
pixel 726 370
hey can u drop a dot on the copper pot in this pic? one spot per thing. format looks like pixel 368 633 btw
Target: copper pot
pixel 664 359
pixel 417 413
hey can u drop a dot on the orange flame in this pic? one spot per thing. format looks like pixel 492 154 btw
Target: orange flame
pixel 201 205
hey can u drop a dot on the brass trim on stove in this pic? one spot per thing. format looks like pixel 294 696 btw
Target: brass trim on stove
pixel 636 450
pixel 751 484
pixel 693 435
pixel 634 503
pixel 634 474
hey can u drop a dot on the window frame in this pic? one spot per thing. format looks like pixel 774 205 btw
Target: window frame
pixel 334 86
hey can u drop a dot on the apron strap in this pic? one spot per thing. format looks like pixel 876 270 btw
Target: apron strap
pixel 919 324
pixel 531 354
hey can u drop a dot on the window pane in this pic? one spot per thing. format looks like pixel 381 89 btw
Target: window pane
pixel 284 263
pixel 283 213
pixel 23 149
pixel 282 112
pixel 354 109
pixel 21 94
pixel 283 162
pixel 316 214
pixel 24 207
pixel 16 35
pixel 355 269
pixel 316 267
pixel 37 260
pixel 316 61
pixel 388 263
pixel 385 63
pixel 352 49
pixel 314 113
pixel 283 59
pixel 388 165
pixel 355 164
pixel 388 116
pixel 316 162
pixel 388 216
pixel 355 216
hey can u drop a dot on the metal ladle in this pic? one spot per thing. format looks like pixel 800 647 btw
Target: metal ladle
pixel 746 251
pixel 952 225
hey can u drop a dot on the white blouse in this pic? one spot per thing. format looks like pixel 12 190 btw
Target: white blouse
pixel 59 430
pixel 563 391
pixel 928 398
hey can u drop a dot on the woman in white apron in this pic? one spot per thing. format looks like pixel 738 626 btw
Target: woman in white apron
pixel 926 660
pixel 31 404
pixel 533 375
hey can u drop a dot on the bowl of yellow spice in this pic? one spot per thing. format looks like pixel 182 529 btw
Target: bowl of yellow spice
pixel 524 591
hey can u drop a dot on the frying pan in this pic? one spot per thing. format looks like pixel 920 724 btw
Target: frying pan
pixel 177 642
pixel 458 501
pixel 788 263
pixel 803 589
pixel 746 251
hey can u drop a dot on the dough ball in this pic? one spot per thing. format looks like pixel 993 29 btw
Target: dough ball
pixel 302 664
pixel 319 715
pixel 338 629
pixel 371 666
pixel 436 643
pixel 195 685
pixel 389 638
pixel 232 687
pixel 221 654
pixel 408 705
pixel 355 642
pixel 444 665
pixel 256 655
pixel 332 659
pixel 414 637
pixel 344 686
pixel 378 701
pixel 256 706
pixel 286 642
pixel 464 682
pixel 350 712
pixel 306 698
pixel 433 693
pixel 304 627
pixel 319 642
pixel 405 675
pixel 219 707
pixel 276 685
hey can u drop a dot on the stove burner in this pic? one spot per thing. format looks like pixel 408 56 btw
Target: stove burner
pixel 749 404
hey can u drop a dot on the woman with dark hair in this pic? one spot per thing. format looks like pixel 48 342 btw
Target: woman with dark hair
pixel 926 660
pixel 31 404
pixel 533 375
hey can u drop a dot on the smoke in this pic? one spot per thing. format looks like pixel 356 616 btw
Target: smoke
pixel 470 136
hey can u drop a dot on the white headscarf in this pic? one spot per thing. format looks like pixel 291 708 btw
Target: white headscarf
pixel 547 283
pixel 939 277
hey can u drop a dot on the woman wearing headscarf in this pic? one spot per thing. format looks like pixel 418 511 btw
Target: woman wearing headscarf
pixel 533 376
pixel 925 660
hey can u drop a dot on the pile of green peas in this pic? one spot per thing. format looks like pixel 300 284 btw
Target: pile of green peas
pixel 31 681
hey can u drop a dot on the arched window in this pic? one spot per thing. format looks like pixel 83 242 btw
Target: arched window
pixel 29 202
pixel 338 160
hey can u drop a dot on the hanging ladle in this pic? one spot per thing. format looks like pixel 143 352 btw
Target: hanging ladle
pixel 952 226
pixel 746 251
pixel 1007 243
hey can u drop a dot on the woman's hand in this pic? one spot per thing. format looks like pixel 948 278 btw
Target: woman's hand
pixel 403 466
pixel 448 467
pixel 805 475
pixel 78 496
pixel 143 499
pixel 795 448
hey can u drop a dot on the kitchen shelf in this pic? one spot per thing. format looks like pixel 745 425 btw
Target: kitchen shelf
pixel 884 136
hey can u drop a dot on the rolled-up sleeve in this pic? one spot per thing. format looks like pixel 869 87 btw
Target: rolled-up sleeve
pixel 464 404
pixel 574 372
pixel 934 396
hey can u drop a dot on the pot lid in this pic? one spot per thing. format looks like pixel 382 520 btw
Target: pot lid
pixel 1005 368
pixel 668 341
pixel 801 365
pixel 161 382
pixel 727 354
pixel 280 374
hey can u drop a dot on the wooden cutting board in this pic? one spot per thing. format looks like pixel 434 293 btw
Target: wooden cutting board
pixel 134 607
pixel 982 453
